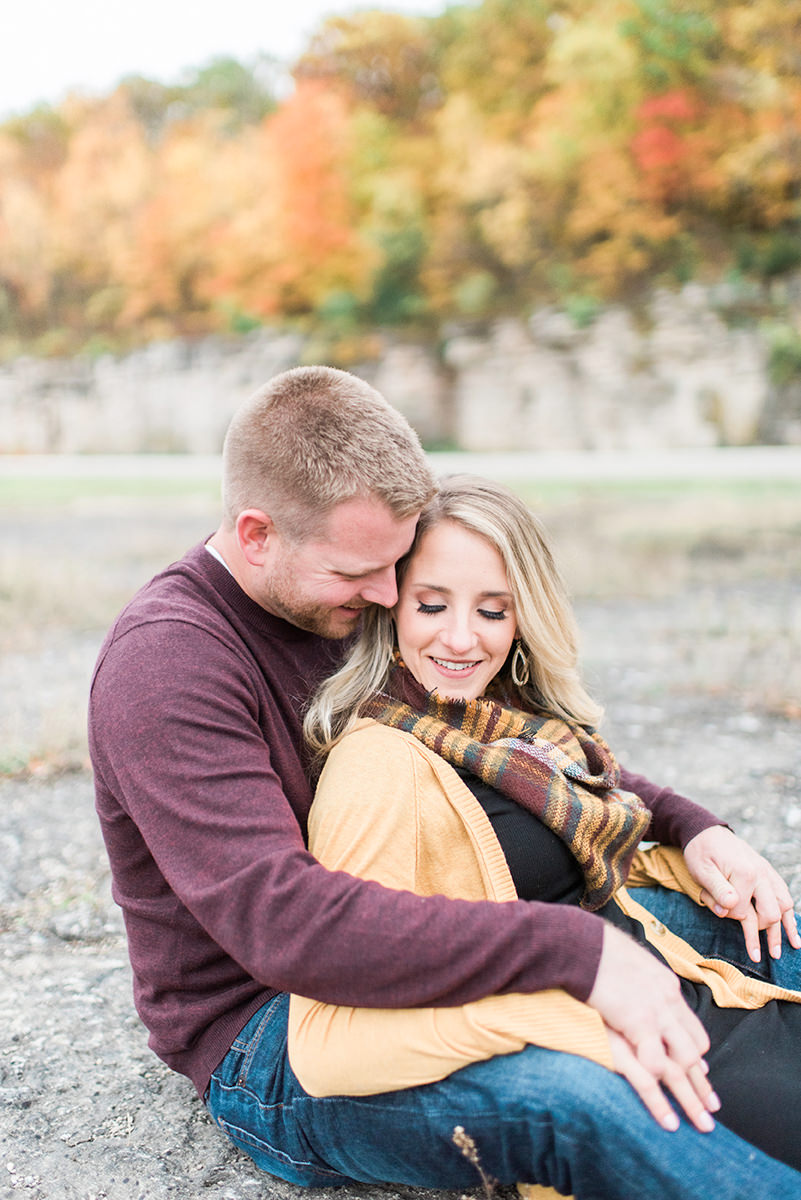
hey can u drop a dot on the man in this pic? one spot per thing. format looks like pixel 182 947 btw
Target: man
pixel 203 788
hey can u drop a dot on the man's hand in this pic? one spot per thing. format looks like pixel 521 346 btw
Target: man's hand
pixel 739 883
pixel 655 1037
pixel 692 1089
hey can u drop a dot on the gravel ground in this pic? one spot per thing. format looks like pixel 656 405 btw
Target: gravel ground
pixel 86 1112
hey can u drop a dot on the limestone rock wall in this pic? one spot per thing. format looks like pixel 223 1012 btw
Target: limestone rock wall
pixel 670 375
pixel 673 375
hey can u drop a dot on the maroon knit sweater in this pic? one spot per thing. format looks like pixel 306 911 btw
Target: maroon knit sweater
pixel 202 796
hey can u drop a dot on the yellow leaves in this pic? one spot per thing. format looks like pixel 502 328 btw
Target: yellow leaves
pixel 495 55
pixel 593 53
pixel 380 59
pixel 611 225
pixel 454 165
pixel 289 234
pixel 766 34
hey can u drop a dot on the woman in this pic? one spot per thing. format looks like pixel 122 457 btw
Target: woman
pixel 461 758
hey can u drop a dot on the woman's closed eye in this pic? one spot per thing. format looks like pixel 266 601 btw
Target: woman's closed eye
pixel 494 614
pixel 491 614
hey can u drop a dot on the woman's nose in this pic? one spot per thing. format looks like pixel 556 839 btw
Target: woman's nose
pixel 458 636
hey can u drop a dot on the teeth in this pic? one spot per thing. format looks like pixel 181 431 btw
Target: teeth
pixel 453 666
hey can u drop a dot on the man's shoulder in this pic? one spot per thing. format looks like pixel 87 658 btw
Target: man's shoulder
pixel 181 591
pixel 195 610
pixel 180 604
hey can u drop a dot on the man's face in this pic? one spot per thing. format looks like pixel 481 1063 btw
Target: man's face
pixel 323 584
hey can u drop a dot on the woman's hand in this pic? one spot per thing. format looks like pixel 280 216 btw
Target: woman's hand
pixel 739 883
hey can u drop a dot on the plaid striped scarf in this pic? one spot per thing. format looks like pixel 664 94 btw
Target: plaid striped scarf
pixel 561 772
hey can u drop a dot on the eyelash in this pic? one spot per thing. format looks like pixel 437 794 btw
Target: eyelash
pixel 490 614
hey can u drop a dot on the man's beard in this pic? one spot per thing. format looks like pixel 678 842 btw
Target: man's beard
pixel 314 618
pixel 332 623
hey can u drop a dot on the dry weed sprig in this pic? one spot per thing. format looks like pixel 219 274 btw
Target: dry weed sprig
pixel 469 1149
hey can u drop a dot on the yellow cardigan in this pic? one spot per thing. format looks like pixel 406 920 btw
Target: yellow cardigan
pixel 388 809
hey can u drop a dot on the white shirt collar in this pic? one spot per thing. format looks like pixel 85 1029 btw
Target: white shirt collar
pixel 214 552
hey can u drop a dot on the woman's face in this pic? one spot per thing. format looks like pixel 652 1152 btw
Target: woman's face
pixel 455 614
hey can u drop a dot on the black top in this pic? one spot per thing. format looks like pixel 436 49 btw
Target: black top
pixel 540 863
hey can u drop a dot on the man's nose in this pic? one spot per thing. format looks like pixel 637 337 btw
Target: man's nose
pixel 382 588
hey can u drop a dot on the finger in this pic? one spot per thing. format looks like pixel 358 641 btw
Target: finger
pixel 774 936
pixel 645 1085
pixel 767 904
pixel 699 1079
pixel 694 1094
pixel 676 1045
pixel 750 924
pixel 791 928
pixel 684 1036
pixel 691 1089
pixel 723 893
pixel 652 1096
pixel 706 898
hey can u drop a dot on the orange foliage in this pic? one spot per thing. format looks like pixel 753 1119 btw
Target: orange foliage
pixel 403 176
pixel 669 146
pixel 288 237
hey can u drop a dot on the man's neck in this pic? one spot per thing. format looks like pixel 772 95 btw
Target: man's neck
pixel 222 546
pixel 214 552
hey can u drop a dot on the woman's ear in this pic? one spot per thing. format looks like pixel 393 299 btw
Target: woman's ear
pixel 254 529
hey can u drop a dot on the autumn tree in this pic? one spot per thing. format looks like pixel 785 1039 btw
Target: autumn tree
pixel 287 237
pixel 32 151
pixel 502 154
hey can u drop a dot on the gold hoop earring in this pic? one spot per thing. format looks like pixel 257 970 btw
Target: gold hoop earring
pixel 520 666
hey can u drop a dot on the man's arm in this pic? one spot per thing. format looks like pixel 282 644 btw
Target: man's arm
pixel 675 820
pixel 185 754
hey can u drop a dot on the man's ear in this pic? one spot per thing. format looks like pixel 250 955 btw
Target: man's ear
pixel 254 529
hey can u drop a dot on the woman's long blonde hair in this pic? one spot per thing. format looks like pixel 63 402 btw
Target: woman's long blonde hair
pixel 546 626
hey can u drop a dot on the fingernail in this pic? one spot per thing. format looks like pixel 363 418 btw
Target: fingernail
pixel 706 1123
pixel 670 1122
pixel 713 1103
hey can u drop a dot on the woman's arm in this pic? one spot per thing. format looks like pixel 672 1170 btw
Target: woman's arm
pixel 335 1050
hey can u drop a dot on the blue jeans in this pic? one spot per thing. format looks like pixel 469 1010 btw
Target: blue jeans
pixel 537 1116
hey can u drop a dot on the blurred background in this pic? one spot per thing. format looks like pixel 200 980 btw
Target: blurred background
pixel 563 230
pixel 534 223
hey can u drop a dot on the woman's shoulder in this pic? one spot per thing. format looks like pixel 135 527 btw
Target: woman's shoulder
pixel 377 759
pixel 368 735
pixel 370 781
pixel 386 748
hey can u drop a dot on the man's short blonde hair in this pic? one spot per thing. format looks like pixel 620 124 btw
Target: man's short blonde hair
pixel 314 437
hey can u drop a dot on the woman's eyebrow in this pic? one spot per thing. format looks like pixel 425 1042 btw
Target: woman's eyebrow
pixel 445 591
